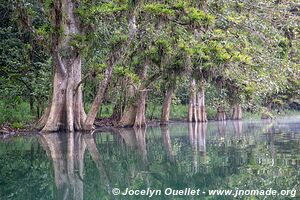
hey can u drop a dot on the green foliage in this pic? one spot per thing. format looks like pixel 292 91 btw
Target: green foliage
pixel 78 41
pixel 159 9
pixel 16 114
pixel 102 9
pixel 244 52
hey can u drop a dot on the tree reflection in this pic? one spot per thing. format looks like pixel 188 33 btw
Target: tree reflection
pixel 222 128
pixel 238 127
pixel 66 152
pixel 197 138
pixel 165 134
pixel 136 138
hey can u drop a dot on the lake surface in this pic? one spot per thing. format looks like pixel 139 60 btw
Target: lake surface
pixel 235 155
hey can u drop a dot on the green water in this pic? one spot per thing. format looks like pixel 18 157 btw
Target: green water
pixel 245 155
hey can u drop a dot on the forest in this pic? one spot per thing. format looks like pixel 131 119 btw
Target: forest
pixel 72 65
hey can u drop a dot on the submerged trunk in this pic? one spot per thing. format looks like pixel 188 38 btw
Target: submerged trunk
pixel 128 117
pixel 165 114
pixel 192 102
pixel 221 116
pixel 202 117
pixel 66 109
pixel 135 114
pixel 237 112
pixel 140 118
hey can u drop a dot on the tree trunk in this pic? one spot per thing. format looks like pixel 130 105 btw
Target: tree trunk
pixel 192 102
pixel 129 115
pixel 221 116
pixel 66 109
pixel 165 114
pixel 202 117
pixel 112 61
pixel 237 112
pixel 136 110
pixel 140 118
pixel 90 119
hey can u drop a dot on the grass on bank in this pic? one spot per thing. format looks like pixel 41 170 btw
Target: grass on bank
pixel 19 115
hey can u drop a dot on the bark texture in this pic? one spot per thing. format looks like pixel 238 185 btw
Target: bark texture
pixel 140 118
pixel 165 114
pixel 192 102
pixel 237 112
pixel 202 116
pixel 128 118
pixel 135 113
pixel 65 111
pixel 221 116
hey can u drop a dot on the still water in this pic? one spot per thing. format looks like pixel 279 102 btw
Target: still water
pixel 232 155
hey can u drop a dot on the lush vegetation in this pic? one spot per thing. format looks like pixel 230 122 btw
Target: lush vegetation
pixel 64 63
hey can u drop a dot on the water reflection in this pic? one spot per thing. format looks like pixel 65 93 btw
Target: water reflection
pixel 165 133
pixel 238 127
pixel 135 138
pixel 202 155
pixel 66 152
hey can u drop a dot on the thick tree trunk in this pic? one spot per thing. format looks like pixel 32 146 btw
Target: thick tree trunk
pixel 221 116
pixel 192 102
pixel 140 118
pixel 237 112
pixel 66 109
pixel 165 114
pixel 129 115
pixel 135 114
pixel 202 117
